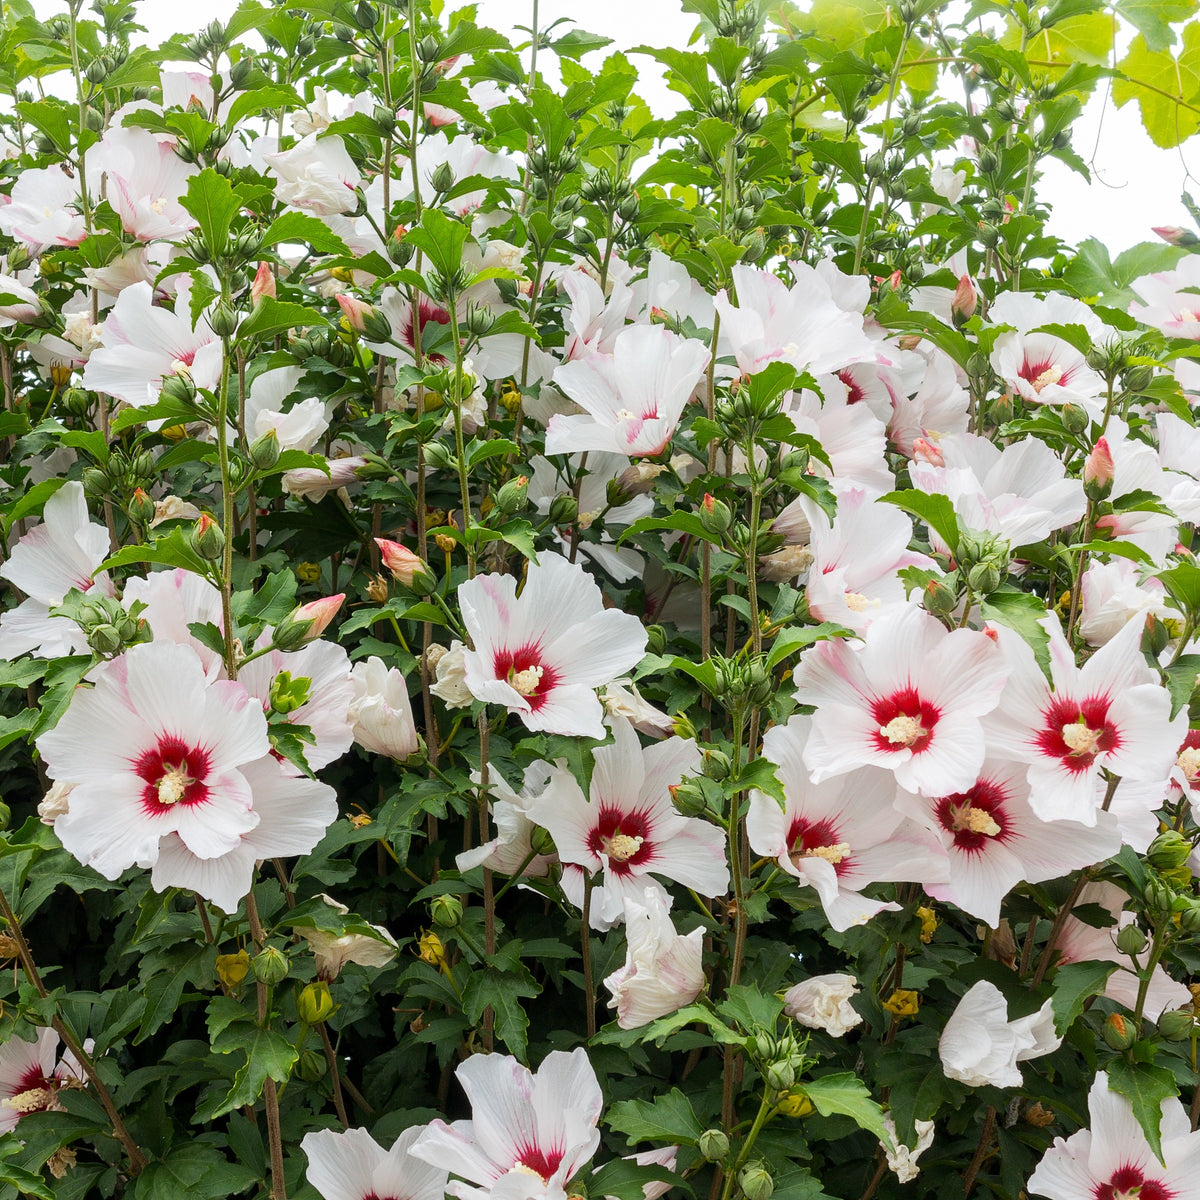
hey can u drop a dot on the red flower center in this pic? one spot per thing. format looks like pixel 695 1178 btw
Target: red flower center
pixel 975 817
pixel 818 839
pixel 524 670
pixel 536 1161
pixel 1041 373
pixel 904 721
pixel 1128 1183
pixel 175 773
pixel 428 314
pixel 623 837
pixel 1076 733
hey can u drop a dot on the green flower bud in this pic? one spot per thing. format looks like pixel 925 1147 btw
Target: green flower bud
pixel 714 1145
pixel 442 177
pixel 717 765
pixel 365 15
pixel 140 507
pixel 446 911
pixel 311 1066
pixel 780 1076
pixel 104 639
pixel 1158 898
pixel 656 639
pixel 564 508
pixel 1168 851
pixel 1131 940
pixel 715 515
pixel 688 798
pixel 756 1181
pixel 315 1004
pixel 983 579
pixel 207 538
pixel 1074 418
pixel 512 495
pixel 270 966
pixel 223 319
pixel 439 457
pixel 1118 1032
pixel 179 388
pixel 240 71
pixel 5 815
pixel 265 450
pixel 1176 1025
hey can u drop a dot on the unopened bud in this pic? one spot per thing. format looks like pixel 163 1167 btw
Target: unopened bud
pixel 964 301
pixel 409 570
pixel 1176 1025
pixel 270 966
pixel 265 450
pixel 715 515
pixel 564 509
pixel 264 284
pixel 713 1145
pixel 442 178
pixel 208 538
pixel 1098 471
pixel 512 495
pixel 141 507
pixel 1131 940
pixel 687 798
pixel 232 968
pixel 756 1182
pixel 314 1003
pixel 1174 235
pixel 1118 1032
pixel 223 319
pixel 1074 418
pixel 780 1076
pixel 306 622
pixel 1168 851
pixel 446 911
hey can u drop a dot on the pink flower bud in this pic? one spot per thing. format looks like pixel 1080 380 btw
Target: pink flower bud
pixel 354 310
pixel 965 299
pixel 308 621
pixel 1175 235
pixel 263 285
pixel 1098 468
pixel 401 561
pixel 924 450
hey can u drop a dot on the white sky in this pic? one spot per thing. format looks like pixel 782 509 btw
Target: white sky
pixel 1135 185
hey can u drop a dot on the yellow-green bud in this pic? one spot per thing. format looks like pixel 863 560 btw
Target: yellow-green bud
pixel 714 1145
pixel 446 911
pixel 270 966
pixel 315 1004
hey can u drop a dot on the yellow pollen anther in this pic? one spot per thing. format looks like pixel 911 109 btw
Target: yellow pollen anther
pixel 1081 738
pixel 831 854
pixel 1051 374
pixel 522 1169
pixel 173 785
pixel 179 367
pixel 976 820
pixel 622 847
pixel 902 730
pixel 34 1100
pixel 623 414
pixel 157 206
pixel 857 602
pixel 528 681
pixel 1189 762
pixel 1188 314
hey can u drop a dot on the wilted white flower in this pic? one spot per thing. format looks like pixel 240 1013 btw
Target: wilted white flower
pixel 823 1002
pixel 332 952
pixel 981 1047
pixel 903 1159
pixel 380 712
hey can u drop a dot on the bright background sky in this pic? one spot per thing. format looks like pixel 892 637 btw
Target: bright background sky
pixel 1135 185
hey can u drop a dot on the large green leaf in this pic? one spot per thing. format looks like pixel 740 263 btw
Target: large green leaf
pixel 666 1118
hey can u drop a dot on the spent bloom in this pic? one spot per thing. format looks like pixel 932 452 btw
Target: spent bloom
pixel 981 1047
pixel 823 1002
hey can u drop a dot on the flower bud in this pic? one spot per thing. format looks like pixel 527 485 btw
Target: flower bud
pixel 265 450
pixel 208 538
pixel 1131 940
pixel 715 515
pixel 311 1066
pixel 564 509
pixel 1118 1032
pixel 756 1182
pixel 264 284
pixel 1168 851
pixel 140 507
pixel 270 966
pixel 178 387
pixel 442 178
pixel 780 1076
pixel 511 495
pixel 376 326
pixel 983 578
pixel 446 911
pixel 306 622
pixel 938 598
pixel 409 570
pixel 1098 471
pixel 656 639
pixel 314 1003
pixel 717 765
pixel 688 798
pixel 1174 235
pixel 1158 898
pixel 796 1104
pixel 1176 1025
pixel 354 310
pixel 964 301
pixel 1074 418
pixel 713 1145
pixel 223 319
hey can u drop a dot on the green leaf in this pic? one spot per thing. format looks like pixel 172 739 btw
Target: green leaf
pixel 210 199
pixel 796 637
pixel 668 1118
pixel 1022 612
pixel 1153 18
pixel 933 508
pixel 33 501
pixel 269 1054
pixel 1174 82
pixel 683 522
pixel 304 228
pixel 847 1096
pixel 277 316
pixel 1074 985
pixel 271 603
pixel 626 1180
pixel 1182 582
pixel 173 549
pixel 1145 1086
pixel 442 238
pixel 1181 681
pixel 751 1007
pixel 196 1170
pixel 502 992
pixel 760 774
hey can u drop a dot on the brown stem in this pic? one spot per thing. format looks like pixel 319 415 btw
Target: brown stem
pixel 270 1094
pixel 137 1160
pixel 985 1141
pixel 202 909
pixel 359 1099
pixel 335 1075
pixel 489 894
pixel 1060 919
pixel 877 1178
